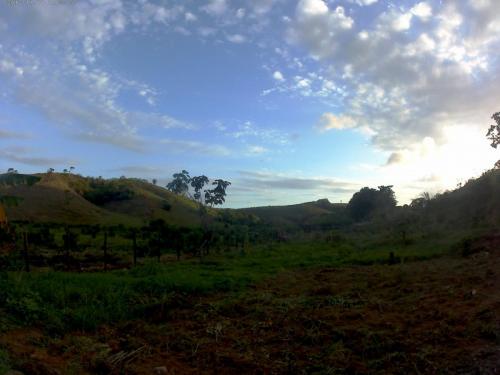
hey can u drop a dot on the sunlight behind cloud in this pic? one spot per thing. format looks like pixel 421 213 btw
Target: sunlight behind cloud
pixel 428 166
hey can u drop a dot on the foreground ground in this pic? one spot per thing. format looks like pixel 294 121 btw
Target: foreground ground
pixel 432 316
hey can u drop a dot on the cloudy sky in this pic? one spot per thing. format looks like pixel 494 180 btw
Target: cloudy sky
pixel 290 100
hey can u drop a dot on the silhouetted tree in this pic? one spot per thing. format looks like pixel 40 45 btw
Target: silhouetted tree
pixel 154 181
pixel 367 201
pixel 421 202
pixel 209 197
pixel 494 134
pixel 494 131
pixel 198 183
pixel 217 195
pixel 180 183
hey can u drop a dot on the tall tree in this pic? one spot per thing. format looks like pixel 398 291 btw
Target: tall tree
pixel 494 134
pixel 217 195
pixel 180 183
pixel 368 201
pixel 198 183
pixel 494 131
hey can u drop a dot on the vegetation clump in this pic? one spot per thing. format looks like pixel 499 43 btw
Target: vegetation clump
pixel 102 192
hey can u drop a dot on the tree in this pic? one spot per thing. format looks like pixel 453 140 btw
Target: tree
pixel 50 170
pixel 11 170
pixel 217 195
pixel 198 183
pixel 421 202
pixel 154 181
pixel 386 197
pixel 494 134
pixel 368 201
pixel 494 131
pixel 180 183
pixel 208 197
pixel 71 169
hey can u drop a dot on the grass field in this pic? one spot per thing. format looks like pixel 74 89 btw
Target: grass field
pixel 291 283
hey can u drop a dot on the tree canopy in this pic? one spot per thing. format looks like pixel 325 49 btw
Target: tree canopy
pixel 211 197
pixel 494 134
pixel 368 201
pixel 494 131
pixel 180 183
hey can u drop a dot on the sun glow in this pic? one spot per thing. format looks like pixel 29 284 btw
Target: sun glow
pixel 437 167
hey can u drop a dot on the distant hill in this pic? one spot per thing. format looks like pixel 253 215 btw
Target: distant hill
pixel 320 214
pixel 69 198
pixel 476 204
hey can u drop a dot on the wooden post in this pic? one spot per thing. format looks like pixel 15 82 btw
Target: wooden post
pixel 105 248
pixel 25 252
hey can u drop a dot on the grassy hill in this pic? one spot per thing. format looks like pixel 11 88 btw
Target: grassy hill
pixel 318 214
pixel 67 198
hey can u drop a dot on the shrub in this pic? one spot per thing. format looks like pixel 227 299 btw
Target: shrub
pixel 102 193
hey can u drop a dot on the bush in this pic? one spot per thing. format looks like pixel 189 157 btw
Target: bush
pixel 102 193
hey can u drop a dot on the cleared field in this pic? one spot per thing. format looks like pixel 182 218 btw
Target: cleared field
pixel 287 309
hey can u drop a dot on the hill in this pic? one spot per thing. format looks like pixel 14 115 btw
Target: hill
pixel 320 214
pixel 474 205
pixel 68 198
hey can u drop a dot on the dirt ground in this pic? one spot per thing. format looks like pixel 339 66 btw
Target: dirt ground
pixel 431 317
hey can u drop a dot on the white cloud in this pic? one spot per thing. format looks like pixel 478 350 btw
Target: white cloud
pixel 207 31
pixel 9 67
pixel 256 150
pixel 236 38
pixel 402 22
pixel 422 10
pixel 240 13
pixel 59 77
pixel 330 121
pixel 405 86
pixel 190 17
pixel 311 8
pixel 365 2
pixel 216 7
pixel 261 7
pixel 250 133
pixel 278 76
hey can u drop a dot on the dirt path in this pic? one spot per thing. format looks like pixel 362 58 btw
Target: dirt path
pixel 440 316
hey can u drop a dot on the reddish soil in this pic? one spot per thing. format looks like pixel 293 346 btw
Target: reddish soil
pixel 433 317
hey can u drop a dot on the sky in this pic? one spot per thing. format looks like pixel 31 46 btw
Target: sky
pixel 290 100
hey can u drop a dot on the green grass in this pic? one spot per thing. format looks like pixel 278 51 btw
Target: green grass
pixel 4 362
pixel 61 301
